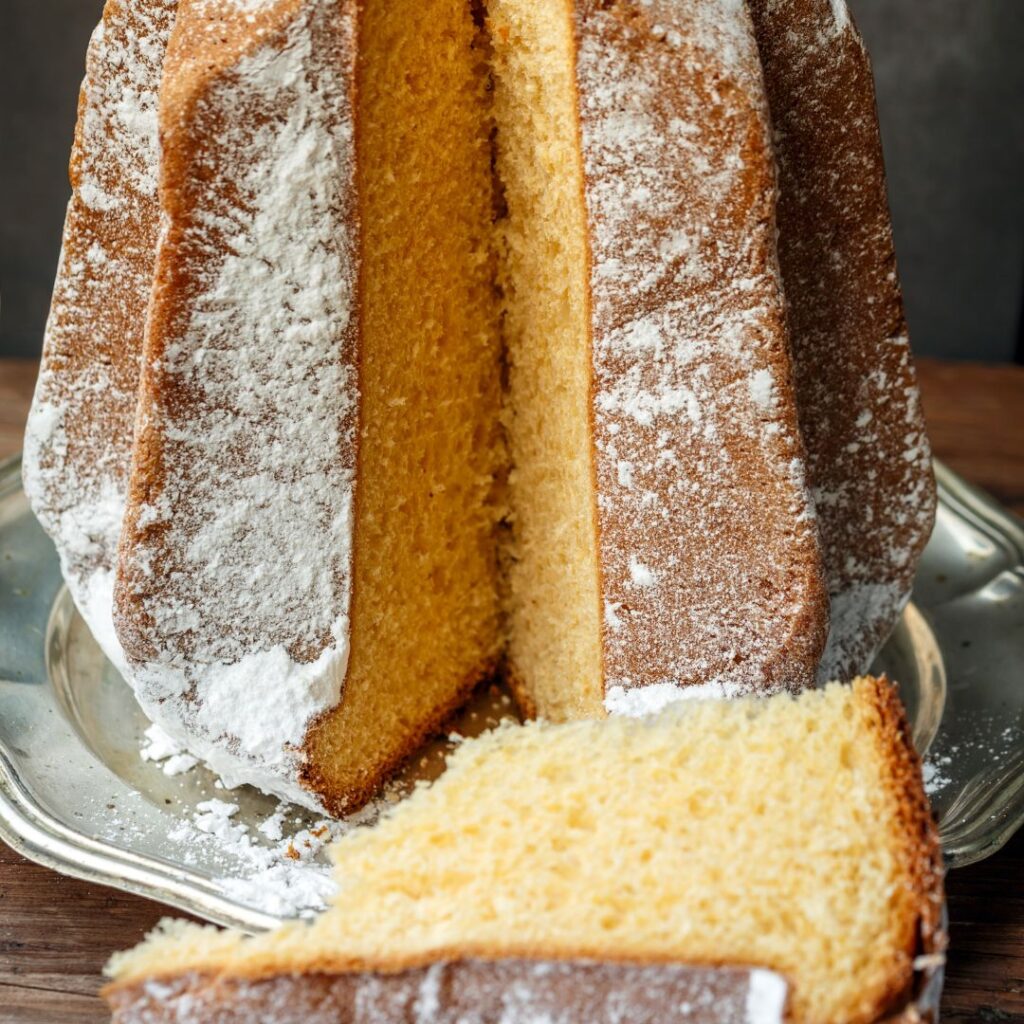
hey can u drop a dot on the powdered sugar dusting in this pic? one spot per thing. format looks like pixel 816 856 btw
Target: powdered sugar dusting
pixel 766 998
pixel 234 594
pixel 83 536
pixel 80 428
pixel 840 15
pixel 708 544
pixel 251 6
pixel 762 389
pixel 641 701
pixel 854 630
pixel 869 462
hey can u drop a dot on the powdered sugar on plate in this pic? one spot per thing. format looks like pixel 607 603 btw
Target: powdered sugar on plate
pixel 933 773
pixel 283 877
pixel 268 855
pixel 987 742
pixel 276 862
pixel 160 747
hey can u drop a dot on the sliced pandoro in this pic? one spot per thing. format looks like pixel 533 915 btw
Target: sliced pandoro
pixel 308 580
pixel 785 834
pixel 663 538
pixel 79 435
pixel 868 458
pixel 307 583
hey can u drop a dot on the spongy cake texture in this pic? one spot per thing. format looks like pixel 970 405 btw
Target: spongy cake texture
pixel 425 613
pixel 787 833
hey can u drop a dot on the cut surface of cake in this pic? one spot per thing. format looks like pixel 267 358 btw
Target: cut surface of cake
pixel 869 462
pixel 79 435
pixel 663 537
pixel 464 347
pixel 311 531
pixel 789 834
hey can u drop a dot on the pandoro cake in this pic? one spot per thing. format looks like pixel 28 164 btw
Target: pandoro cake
pixel 398 344
pixel 559 866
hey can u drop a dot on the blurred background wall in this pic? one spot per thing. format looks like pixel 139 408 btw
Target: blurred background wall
pixel 951 99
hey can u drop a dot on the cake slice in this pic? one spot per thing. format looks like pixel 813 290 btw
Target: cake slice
pixel 79 434
pixel 663 536
pixel 785 834
pixel 869 462
pixel 307 582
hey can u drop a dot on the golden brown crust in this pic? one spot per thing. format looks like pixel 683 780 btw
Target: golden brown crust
pixel 721 579
pixel 458 991
pixel 198 133
pixel 869 462
pixel 918 906
pixel 79 436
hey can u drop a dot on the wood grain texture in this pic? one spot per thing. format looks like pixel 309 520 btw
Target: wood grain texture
pixel 17 381
pixel 55 935
pixel 56 932
pixel 975 417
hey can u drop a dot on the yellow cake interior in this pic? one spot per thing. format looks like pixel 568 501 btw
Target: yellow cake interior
pixel 554 578
pixel 424 614
pixel 779 832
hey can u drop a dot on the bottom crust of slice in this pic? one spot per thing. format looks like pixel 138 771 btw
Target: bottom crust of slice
pixel 474 991
pixel 464 992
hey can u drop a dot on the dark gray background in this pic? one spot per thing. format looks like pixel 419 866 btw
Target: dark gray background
pixel 951 98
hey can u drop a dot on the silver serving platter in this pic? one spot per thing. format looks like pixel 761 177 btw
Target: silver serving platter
pixel 76 796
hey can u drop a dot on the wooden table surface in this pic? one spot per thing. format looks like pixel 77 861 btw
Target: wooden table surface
pixel 56 932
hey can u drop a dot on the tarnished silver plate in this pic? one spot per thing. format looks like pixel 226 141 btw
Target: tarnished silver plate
pixel 75 794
